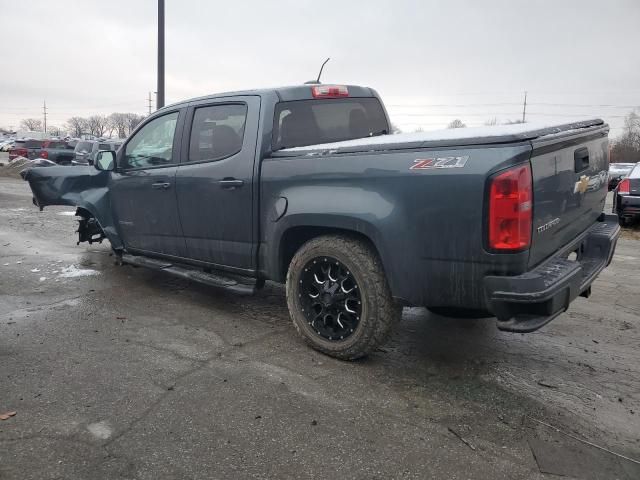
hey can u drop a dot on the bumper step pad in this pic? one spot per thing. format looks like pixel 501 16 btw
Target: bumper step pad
pixel 526 302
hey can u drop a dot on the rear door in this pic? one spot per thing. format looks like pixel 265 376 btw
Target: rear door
pixel 143 189
pixel 215 186
pixel 570 176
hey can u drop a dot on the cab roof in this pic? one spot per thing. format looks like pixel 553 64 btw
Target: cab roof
pixel 283 94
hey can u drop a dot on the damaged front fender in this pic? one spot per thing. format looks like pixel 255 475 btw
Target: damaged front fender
pixel 83 187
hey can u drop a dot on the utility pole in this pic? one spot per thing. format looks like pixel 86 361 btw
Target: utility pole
pixel 149 100
pixel 160 89
pixel 44 110
pixel 524 108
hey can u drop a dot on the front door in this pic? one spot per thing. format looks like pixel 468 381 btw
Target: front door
pixel 143 190
pixel 215 181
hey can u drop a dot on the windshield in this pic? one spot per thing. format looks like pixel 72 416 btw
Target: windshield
pixel 33 143
pixel 636 171
pixel 84 146
pixel 310 122
pixel 623 168
pixel 57 144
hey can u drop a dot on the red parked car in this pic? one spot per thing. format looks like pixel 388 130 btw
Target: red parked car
pixel 25 148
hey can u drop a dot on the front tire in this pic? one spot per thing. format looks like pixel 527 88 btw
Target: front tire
pixel 338 297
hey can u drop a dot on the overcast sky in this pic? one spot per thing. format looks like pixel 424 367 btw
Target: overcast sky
pixel 432 61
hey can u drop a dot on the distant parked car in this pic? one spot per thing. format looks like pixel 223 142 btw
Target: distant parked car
pixel 6 145
pixel 27 148
pixel 57 151
pixel 626 199
pixel 85 151
pixel 617 171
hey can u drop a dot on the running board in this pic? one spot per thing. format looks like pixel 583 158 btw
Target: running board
pixel 199 276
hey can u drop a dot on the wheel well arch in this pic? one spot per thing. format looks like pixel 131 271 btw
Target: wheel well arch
pixel 84 212
pixel 293 238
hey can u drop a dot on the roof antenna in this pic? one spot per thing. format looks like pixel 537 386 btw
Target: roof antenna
pixel 319 73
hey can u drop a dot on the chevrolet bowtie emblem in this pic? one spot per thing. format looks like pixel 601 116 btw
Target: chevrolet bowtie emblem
pixel 582 184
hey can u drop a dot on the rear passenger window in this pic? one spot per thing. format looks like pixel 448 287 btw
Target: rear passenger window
pixel 217 132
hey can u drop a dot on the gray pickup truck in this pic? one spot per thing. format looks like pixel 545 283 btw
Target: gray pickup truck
pixel 304 185
pixel 57 151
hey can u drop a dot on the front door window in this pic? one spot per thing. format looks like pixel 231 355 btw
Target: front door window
pixel 152 146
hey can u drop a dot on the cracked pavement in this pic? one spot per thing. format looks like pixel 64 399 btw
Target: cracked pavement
pixel 121 372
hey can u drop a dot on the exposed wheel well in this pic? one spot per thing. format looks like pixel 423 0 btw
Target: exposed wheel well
pixel 295 237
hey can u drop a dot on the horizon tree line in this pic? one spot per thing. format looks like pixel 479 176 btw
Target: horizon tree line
pixel 121 124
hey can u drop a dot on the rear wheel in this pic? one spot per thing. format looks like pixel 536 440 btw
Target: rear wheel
pixel 338 297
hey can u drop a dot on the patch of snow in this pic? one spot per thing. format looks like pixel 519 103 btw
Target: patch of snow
pixel 74 272
pixel 35 270
pixel 100 430
pixel 42 279
pixel 5 264
pixel 485 132
pixel 67 214
pixel 18 262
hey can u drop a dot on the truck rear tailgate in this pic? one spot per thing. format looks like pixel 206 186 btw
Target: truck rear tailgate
pixel 569 187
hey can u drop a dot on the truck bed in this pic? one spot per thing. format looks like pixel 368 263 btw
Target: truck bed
pixel 454 137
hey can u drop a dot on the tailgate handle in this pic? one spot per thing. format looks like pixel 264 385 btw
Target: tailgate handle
pixel 581 159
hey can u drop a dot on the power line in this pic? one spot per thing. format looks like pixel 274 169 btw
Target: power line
pixel 425 105
pixel 465 105
pixel 459 114
pixel 583 105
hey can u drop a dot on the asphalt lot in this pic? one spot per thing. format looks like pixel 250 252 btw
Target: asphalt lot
pixel 120 372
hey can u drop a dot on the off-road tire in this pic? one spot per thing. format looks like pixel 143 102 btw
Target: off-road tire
pixel 379 311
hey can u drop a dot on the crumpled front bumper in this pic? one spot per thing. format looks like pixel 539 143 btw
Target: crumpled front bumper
pixel 526 302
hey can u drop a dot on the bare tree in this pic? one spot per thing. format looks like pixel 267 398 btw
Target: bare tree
pixel 55 131
pixel 491 122
pixel 133 119
pixel 457 123
pixel 118 122
pixel 31 124
pixel 97 124
pixel 77 126
pixel 627 146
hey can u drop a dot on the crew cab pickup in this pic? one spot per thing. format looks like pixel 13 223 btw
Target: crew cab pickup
pixel 57 151
pixel 305 185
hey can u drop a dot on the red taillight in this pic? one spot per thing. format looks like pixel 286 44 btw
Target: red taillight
pixel 44 154
pixel 624 187
pixel 510 209
pixel 329 91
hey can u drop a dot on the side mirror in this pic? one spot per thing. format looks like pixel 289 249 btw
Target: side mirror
pixel 105 160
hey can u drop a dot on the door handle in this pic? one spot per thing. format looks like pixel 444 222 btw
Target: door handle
pixel 161 185
pixel 230 183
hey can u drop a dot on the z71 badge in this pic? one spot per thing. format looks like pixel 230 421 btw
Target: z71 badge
pixel 440 162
